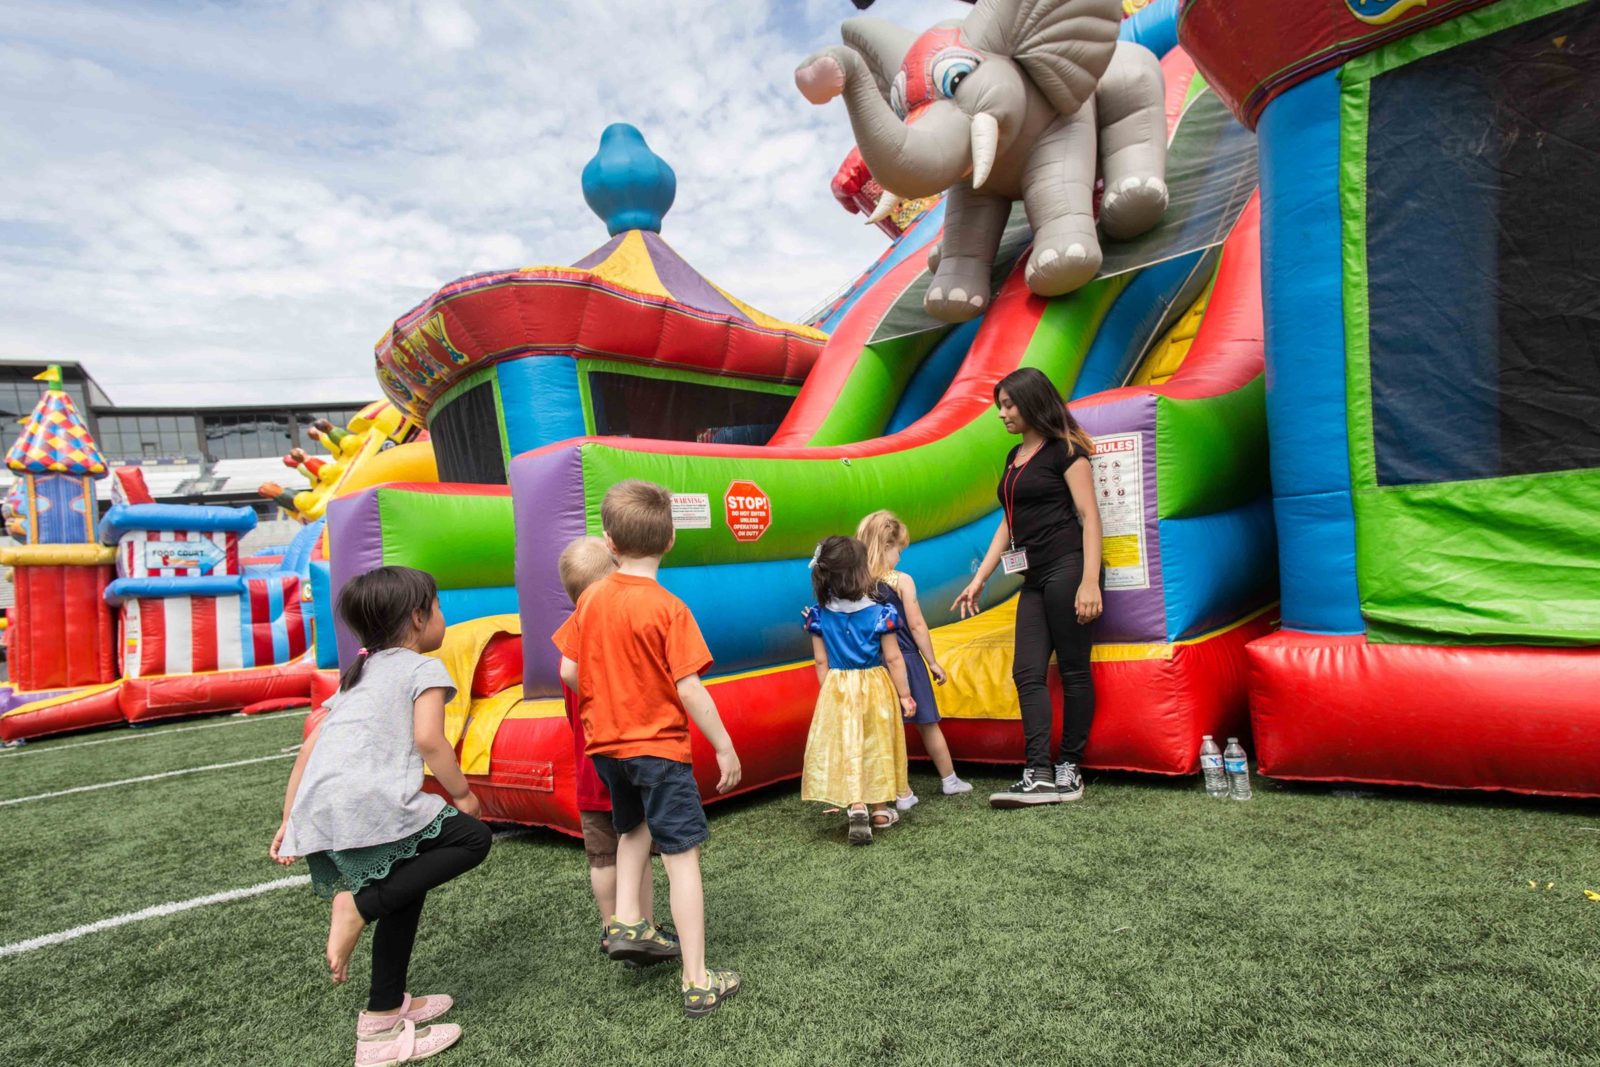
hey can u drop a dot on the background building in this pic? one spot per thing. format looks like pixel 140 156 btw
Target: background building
pixel 190 455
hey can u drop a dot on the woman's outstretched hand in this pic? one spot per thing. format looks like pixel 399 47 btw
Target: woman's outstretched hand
pixel 967 601
pixel 1089 602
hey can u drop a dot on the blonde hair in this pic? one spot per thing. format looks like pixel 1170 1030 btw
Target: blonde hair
pixel 637 516
pixel 881 532
pixel 583 562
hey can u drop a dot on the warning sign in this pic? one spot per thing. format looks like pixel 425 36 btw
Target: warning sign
pixel 749 511
pixel 691 511
pixel 1119 488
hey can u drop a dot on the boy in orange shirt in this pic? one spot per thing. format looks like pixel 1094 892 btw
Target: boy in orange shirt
pixel 634 655
pixel 582 563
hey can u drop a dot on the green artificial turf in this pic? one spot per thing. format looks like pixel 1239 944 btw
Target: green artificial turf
pixel 1145 925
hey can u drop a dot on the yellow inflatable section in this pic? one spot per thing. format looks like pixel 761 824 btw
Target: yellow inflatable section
pixel 402 463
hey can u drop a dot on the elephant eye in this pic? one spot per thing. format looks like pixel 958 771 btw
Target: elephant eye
pixel 897 94
pixel 951 68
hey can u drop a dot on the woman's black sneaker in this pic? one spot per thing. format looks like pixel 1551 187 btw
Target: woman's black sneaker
pixel 1069 783
pixel 1030 790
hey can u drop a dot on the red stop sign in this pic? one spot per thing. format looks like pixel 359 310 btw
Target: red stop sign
pixel 748 510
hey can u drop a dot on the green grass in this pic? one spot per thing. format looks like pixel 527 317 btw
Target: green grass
pixel 1145 925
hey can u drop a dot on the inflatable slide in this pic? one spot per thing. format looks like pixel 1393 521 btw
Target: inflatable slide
pixel 543 387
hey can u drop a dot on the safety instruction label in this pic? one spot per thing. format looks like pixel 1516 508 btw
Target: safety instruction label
pixel 691 511
pixel 1118 473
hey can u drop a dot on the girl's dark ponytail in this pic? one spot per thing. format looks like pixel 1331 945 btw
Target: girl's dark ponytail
pixel 352 673
pixel 378 606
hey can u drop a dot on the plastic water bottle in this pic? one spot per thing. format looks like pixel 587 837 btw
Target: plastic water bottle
pixel 1211 768
pixel 1237 765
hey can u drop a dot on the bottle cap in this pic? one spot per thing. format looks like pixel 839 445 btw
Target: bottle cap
pixel 1206 737
pixel 1233 740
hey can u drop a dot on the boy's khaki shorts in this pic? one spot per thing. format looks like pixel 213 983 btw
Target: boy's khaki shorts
pixel 600 839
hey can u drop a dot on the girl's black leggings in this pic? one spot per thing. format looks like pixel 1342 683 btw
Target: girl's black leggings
pixel 1047 621
pixel 395 903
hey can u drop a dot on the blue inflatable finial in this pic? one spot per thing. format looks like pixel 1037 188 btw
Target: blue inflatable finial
pixel 627 185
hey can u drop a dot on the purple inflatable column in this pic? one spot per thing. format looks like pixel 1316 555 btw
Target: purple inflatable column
pixel 549 510
pixel 355 546
pixel 1133 616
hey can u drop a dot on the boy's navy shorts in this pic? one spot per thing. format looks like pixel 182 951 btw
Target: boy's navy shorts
pixel 662 794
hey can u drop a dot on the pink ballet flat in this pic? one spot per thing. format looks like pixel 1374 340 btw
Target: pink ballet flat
pixel 405 1044
pixel 419 1010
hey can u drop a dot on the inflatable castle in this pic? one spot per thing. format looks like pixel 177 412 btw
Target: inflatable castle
pixel 152 611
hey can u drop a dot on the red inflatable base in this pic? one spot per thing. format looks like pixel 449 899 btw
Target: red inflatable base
pixel 167 695
pixel 1525 720
pixel 767 715
pixel 324 683
pixel 1149 716
pixel 94 706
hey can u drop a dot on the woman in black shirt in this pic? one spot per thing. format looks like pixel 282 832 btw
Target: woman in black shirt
pixel 1050 533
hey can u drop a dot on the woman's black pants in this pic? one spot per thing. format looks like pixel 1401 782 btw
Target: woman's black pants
pixel 395 903
pixel 1047 621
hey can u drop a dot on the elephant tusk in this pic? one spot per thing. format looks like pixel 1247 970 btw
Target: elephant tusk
pixel 985 142
pixel 886 207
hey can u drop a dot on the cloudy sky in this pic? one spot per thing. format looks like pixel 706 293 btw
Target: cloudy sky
pixel 231 201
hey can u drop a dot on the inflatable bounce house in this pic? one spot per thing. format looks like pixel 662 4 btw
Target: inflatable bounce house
pixel 153 612
pixel 544 386
pixel 1430 212
pixel 1370 382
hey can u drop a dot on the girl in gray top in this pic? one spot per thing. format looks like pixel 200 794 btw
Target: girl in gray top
pixel 356 810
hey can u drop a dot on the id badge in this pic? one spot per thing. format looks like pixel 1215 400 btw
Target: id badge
pixel 1014 562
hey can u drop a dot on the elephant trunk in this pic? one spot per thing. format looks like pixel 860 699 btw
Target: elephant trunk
pixel 916 159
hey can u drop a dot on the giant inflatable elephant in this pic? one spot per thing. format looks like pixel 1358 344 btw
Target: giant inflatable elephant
pixel 1023 99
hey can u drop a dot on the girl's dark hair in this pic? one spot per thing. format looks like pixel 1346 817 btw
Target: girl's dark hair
pixel 377 606
pixel 840 570
pixel 1042 408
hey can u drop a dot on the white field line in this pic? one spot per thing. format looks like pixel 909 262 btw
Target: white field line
pixel 145 778
pixel 157 911
pixel 145 735
pixel 154 912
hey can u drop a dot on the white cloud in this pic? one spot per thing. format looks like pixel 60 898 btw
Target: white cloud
pixel 236 201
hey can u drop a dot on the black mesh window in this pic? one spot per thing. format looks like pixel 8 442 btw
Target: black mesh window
pixel 1483 252
pixel 629 406
pixel 466 438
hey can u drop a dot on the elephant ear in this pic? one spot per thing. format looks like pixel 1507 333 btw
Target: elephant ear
pixel 882 44
pixel 1063 45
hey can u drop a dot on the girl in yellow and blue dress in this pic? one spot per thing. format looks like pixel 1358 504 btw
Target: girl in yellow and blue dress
pixel 856 750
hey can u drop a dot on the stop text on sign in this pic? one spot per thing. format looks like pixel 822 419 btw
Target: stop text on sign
pixel 748 511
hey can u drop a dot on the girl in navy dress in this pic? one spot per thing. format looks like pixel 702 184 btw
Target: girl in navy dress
pixel 885 537
pixel 856 750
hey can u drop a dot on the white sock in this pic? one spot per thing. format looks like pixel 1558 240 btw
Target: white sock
pixel 952 784
pixel 907 802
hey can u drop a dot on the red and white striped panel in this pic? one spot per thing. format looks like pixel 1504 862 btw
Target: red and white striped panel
pixel 181 635
pixel 142 553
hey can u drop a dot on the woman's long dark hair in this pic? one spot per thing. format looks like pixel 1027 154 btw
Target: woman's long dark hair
pixel 1042 408
pixel 378 606
pixel 840 570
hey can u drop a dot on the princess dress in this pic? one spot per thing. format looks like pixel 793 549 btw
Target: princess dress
pixel 856 750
